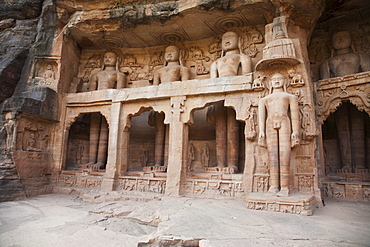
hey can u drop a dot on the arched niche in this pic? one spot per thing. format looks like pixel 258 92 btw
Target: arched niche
pixel 206 145
pixel 346 140
pixel 148 142
pixel 87 146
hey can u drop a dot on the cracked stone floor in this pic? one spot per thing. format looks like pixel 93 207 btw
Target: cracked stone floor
pixel 67 220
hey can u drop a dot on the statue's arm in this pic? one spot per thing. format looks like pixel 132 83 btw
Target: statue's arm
pixel 246 63
pixel 294 113
pixel 185 74
pixel 213 72
pixel 156 79
pixel 93 82
pixel 324 70
pixel 121 80
pixel 365 62
pixel 261 121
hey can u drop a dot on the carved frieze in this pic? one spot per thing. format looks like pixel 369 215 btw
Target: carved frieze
pixel 214 188
pixel 141 184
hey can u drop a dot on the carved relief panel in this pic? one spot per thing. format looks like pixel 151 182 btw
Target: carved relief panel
pixel 45 72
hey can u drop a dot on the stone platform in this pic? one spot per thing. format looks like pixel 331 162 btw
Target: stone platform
pixel 295 204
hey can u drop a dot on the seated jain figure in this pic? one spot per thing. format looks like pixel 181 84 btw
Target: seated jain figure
pixel 232 63
pixel 173 70
pixel 275 129
pixel 344 60
pixel 109 77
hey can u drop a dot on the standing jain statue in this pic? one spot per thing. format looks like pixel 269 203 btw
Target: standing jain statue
pixel 344 60
pixel 231 63
pixel 108 78
pixel 172 71
pixel 278 133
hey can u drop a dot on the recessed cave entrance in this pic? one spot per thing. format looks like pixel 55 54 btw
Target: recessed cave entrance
pixel 148 145
pixel 346 140
pixel 87 146
pixel 216 141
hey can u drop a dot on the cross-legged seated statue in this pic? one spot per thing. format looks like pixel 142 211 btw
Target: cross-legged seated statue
pixel 278 132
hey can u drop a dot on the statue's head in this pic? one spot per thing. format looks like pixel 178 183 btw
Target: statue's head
pixel 110 59
pixel 172 54
pixel 230 41
pixel 277 80
pixel 341 40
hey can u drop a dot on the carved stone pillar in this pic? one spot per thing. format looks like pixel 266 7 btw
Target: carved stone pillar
pixel 113 161
pixel 232 139
pixel 103 143
pixel 160 133
pixel 221 134
pixel 176 171
pixel 94 137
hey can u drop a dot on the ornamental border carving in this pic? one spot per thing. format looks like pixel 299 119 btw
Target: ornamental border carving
pixel 331 93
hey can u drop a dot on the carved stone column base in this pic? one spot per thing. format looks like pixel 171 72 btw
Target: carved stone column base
pixel 224 170
pixel 295 204
pixel 154 169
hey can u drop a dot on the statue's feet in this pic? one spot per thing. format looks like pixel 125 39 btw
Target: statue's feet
pixel 284 192
pixel 99 165
pixel 272 191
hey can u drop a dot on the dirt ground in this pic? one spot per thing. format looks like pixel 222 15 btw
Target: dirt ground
pixel 67 220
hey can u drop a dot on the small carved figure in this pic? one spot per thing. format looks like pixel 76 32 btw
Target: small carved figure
pixel 9 128
pixel 157 58
pixel 295 79
pixel 31 143
pixel 255 36
pixel 49 72
pixel 191 155
pixel 79 151
pixel 275 132
pixel 173 70
pixel 205 156
pixel 251 134
pixel 109 76
pixel 258 83
pixel 344 60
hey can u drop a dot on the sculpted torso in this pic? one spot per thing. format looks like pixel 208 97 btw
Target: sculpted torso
pixel 344 64
pixel 109 77
pixel 233 63
pixel 106 79
pixel 173 71
pixel 278 113
pixel 228 65
pixel 170 74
